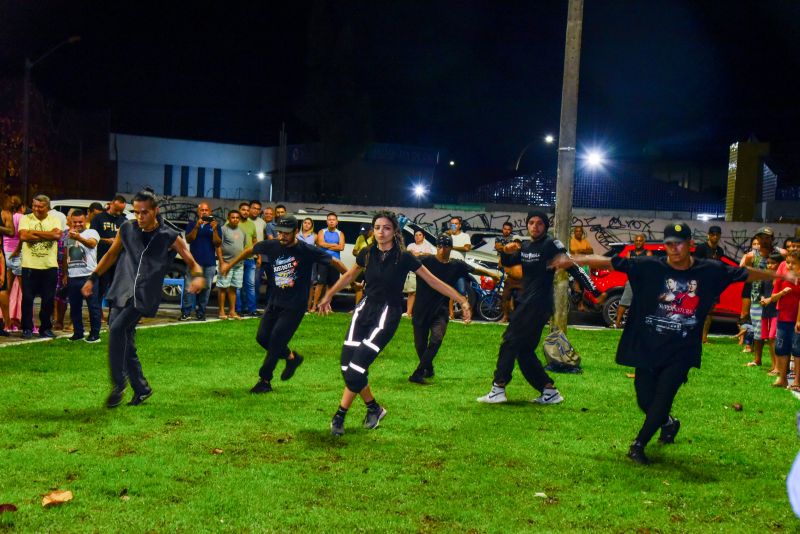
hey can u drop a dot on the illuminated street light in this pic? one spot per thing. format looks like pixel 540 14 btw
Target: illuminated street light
pixel 452 163
pixel 595 159
pixel 420 191
pixel 549 139
pixel 261 175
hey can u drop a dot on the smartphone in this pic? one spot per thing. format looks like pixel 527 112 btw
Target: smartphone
pixel 207 218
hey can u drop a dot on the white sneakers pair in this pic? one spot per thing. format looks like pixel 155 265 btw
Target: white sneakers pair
pixel 498 395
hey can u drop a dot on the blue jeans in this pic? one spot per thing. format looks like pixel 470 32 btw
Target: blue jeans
pixel 74 286
pixel 246 297
pixel 787 342
pixel 189 300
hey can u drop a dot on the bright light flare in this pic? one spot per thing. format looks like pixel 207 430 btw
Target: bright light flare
pixel 420 190
pixel 549 139
pixel 595 159
pixel 261 175
pixel 452 163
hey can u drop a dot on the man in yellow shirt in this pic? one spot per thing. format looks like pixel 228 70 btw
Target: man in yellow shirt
pixel 39 232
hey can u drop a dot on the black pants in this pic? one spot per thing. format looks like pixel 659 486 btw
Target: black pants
pixel 275 330
pixel 519 344
pixel 371 329
pixel 428 335
pixel 105 282
pixel 655 391
pixel 42 283
pixel 122 357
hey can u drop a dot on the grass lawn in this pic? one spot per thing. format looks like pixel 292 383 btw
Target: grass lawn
pixel 440 462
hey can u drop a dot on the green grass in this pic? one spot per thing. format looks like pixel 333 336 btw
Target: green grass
pixel 440 462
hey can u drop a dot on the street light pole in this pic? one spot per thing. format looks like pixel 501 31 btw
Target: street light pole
pixel 26 105
pixel 567 137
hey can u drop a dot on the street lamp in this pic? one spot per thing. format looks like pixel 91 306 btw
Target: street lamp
pixel 548 139
pixel 595 159
pixel 26 100
pixel 419 192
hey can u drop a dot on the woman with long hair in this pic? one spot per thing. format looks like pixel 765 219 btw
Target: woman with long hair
pixel 385 264
pixel 13 210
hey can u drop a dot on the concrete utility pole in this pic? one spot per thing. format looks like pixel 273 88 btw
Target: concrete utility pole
pixel 566 150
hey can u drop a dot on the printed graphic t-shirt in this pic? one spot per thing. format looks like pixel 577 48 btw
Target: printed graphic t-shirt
pixel 665 322
pixel 107 226
pixel 42 254
pixel 290 271
pixel 82 260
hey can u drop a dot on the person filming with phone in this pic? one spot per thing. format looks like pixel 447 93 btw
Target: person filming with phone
pixel 203 236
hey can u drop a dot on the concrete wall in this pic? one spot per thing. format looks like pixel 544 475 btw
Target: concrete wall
pixel 602 230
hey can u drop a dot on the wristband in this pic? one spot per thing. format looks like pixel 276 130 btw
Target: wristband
pixel 93 277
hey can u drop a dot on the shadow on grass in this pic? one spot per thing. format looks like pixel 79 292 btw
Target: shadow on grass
pixel 83 415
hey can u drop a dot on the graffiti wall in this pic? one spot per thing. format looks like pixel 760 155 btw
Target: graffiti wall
pixel 600 230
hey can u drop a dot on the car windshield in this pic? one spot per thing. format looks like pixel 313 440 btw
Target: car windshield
pixel 428 235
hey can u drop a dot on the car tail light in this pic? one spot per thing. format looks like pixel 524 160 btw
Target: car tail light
pixel 487 284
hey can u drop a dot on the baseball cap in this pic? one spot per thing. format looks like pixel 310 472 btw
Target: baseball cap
pixel 677 232
pixel 714 230
pixel 286 223
pixel 765 230
pixel 444 240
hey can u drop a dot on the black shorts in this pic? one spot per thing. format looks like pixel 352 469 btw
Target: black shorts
pixel 327 274
pixel 747 288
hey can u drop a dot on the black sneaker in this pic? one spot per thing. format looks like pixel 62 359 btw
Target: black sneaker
pixel 636 453
pixel 417 378
pixel 262 386
pixel 114 398
pixel 201 316
pixel 4 332
pixel 373 417
pixel 27 334
pixel 93 338
pixel 337 425
pixel 139 398
pixel 669 431
pixel 75 337
pixel 184 317
pixel 47 333
pixel 291 366
pixel 428 373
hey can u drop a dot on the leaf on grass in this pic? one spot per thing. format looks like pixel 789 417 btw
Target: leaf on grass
pixel 54 498
pixel 630 375
pixel 72 451
pixel 7 508
pixel 737 406
pixel 540 495
pixel 216 451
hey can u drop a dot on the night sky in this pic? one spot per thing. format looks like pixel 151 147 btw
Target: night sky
pixel 660 80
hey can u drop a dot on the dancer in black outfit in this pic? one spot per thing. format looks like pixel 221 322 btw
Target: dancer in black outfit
pixel 385 264
pixel 288 262
pixel 431 315
pixel 142 251
pixel 663 339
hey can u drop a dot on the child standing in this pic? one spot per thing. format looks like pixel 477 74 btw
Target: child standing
pixel 769 316
pixel 787 340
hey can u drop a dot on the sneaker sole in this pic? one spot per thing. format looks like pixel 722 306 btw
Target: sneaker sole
pixel 543 402
pixel 287 376
pixel 378 422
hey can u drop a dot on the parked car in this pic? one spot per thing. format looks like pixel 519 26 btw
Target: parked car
pixel 612 284
pixel 67 204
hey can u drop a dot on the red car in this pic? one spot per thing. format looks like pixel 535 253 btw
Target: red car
pixel 612 284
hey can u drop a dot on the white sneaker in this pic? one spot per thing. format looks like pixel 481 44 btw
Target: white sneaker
pixel 549 396
pixel 495 396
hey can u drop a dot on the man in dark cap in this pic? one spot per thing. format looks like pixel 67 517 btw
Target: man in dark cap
pixel 673 294
pixel 534 307
pixel 430 314
pixel 710 250
pixel 289 263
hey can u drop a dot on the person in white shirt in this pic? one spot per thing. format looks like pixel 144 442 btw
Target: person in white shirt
pixel 80 260
pixel 418 248
pixel 461 244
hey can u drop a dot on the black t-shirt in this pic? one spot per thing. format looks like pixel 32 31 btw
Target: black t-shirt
pixel 386 275
pixel 665 322
pixel 107 226
pixel 705 252
pixel 290 271
pixel 429 302
pixel 537 277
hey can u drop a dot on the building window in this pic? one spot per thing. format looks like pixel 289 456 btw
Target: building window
pixel 201 182
pixel 217 182
pixel 167 179
pixel 184 181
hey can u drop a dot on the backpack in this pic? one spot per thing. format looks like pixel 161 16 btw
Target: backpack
pixel 561 356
